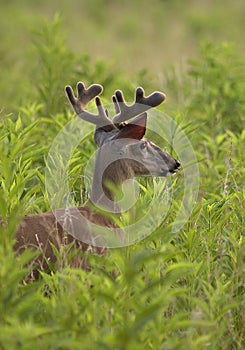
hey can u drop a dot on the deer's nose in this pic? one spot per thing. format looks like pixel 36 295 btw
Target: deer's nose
pixel 175 167
pixel 177 163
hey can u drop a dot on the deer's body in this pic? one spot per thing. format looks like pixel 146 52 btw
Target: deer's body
pixel 123 154
pixel 42 232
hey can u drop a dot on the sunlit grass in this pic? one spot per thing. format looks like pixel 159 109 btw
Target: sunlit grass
pixel 169 291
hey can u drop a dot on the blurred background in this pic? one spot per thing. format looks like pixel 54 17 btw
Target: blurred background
pixel 131 36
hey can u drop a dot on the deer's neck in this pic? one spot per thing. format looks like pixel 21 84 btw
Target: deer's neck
pixel 107 184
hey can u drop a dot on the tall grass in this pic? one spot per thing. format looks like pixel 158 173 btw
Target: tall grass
pixel 183 291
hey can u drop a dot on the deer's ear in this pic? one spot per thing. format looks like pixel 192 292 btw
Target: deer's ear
pixel 135 129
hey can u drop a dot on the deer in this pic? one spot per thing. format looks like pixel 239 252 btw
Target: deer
pixel 123 153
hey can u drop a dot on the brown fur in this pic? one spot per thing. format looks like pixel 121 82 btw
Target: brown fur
pixel 43 233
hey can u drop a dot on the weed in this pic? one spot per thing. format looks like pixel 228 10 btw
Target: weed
pixel 166 292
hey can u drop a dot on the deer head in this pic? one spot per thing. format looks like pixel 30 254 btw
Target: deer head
pixel 123 151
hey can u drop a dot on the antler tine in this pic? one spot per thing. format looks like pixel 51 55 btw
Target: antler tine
pixel 141 104
pixel 84 96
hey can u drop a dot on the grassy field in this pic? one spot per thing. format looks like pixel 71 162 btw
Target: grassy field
pixel 169 291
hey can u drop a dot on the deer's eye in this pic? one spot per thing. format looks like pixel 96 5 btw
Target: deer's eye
pixel 143 145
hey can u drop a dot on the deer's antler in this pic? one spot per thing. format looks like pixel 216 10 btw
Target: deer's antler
pixel 84 96
pixel 141 104
pixel 123 111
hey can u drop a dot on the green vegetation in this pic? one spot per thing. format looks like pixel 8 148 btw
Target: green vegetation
pixel 183 291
